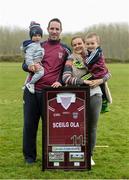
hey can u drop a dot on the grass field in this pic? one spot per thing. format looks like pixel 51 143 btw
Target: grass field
pixel 112 162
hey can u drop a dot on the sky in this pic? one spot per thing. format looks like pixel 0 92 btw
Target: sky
pixel 76 15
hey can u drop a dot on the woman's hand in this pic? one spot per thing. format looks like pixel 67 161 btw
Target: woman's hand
pixel 96 83
pixel 56 84
pixel 88 82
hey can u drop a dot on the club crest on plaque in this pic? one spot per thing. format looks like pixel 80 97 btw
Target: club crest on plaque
pixel 75 115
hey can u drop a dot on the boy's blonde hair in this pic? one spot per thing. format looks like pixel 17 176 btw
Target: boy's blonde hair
pixel 93 34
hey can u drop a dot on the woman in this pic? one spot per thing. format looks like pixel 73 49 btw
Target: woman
pixel 75 73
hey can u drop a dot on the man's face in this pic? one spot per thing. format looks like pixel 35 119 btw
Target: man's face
pixel 54 30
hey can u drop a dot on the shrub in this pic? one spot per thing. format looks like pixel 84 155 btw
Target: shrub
pixel 11 58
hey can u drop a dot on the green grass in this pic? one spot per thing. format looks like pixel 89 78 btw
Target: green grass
pixel 113 130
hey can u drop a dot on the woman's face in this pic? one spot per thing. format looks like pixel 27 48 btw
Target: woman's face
pixel 78 45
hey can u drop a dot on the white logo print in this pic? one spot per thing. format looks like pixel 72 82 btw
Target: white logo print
pixel 60 55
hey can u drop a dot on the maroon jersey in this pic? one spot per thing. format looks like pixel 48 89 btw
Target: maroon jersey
pixel 53 62
pixel 98 69
pixel 66 119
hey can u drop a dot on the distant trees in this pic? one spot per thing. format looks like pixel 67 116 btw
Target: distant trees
pixel 10 40
pixel 114 40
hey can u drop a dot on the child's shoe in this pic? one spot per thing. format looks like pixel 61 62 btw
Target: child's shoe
pixel 30 87
pixel 23 87
pixel 105 107
pixel 92 162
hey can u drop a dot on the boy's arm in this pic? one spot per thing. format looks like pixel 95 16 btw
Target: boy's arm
pixel 28 62
pixel 29 55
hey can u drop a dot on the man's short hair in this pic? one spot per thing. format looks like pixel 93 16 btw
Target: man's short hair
pixel 56 20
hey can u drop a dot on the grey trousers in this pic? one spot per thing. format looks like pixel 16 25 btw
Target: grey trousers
pixel 37 75
pixel 95 108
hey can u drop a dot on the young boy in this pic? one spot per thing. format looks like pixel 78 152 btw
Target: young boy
pixel 95 63
pixel 34 54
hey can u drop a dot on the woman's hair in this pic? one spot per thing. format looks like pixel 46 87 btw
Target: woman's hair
pixel 77 36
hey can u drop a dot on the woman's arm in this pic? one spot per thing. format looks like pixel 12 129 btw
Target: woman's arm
pixel 68 77
pixel 97 82
pixel 107 77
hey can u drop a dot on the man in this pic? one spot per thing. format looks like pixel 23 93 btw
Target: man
pixel 53 62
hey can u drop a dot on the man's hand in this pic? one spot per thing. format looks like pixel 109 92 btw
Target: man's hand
pixel 31 68
pixel 37 67
pixel 56 84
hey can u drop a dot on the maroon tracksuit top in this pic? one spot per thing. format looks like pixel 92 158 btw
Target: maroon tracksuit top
pixel 53 62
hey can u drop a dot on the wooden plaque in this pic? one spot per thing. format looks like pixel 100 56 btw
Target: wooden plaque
pixel 65 128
